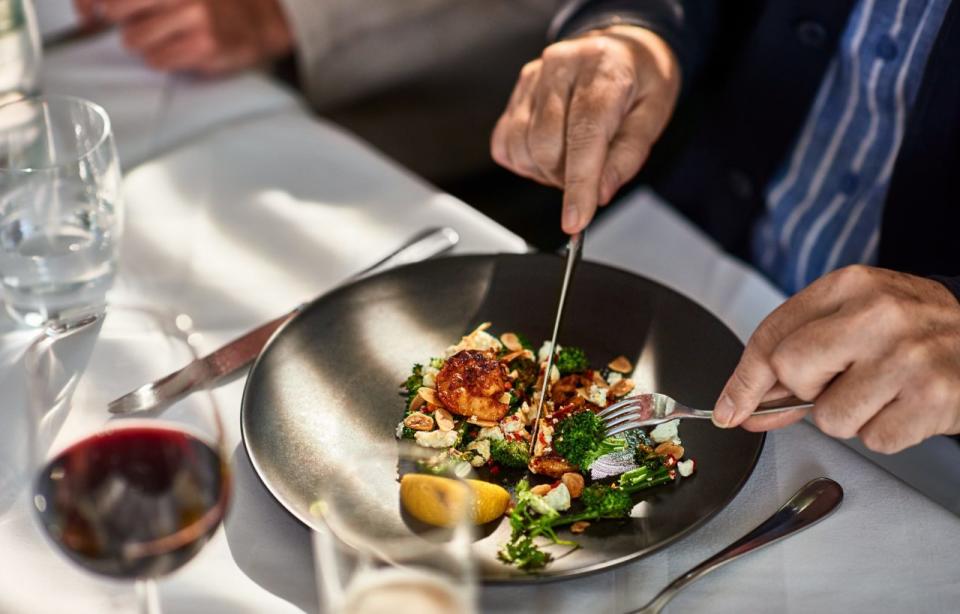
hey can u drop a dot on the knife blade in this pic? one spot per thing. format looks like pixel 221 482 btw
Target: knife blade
pixel 240 352
pixel 574 248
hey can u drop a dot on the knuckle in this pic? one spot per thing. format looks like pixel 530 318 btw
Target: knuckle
pixel 583 132
pixel 530 69
pixel 852 276
pixel 833 423
pixel 882 438
pixel 913 354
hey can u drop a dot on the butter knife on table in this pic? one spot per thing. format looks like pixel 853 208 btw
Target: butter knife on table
pixel 240 352
pixel 574 249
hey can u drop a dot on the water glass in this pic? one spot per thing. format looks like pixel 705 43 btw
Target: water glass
pixel 61 214
pixel 20 50
pixel 373 556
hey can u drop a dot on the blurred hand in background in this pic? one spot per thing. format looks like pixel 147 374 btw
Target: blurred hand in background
pixel 584 116
pixel 205 36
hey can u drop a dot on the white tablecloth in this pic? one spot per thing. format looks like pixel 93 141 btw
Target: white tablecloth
pixel 255 216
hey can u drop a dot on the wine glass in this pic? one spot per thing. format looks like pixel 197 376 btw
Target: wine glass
pixel 124 497
pixel 374 554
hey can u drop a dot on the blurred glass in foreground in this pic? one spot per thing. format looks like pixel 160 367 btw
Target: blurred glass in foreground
pixel 377 554
pixel 60 210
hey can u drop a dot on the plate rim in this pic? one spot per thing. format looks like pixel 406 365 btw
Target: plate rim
pixel 530 578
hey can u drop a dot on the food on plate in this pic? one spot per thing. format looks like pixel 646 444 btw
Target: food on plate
pixel 438 500
pixel 476 406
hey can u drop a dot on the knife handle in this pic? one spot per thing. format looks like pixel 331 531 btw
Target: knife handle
pixel 244 349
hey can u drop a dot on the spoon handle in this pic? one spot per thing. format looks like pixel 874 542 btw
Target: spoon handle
pixel 812 503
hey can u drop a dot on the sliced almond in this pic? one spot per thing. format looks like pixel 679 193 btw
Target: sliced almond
pixel 541 489
pixel 511 341
pixel 622 387
pixel 598 380
pixel 430 396
pixel 554 374
pixel 529 354
pixel 668 447
pixel 512 355
pixel 482 327
pixel 418 421
pixel 513 374
pixel 579 527
pixel 479 422
pixel 621 364
pixel 574 483
pixel 444 419
pixel 417 402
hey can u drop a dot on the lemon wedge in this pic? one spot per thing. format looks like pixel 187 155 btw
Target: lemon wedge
pixel 440 501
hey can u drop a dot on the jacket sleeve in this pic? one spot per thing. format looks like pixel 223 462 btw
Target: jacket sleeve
pixel 346 49
pixel 688 26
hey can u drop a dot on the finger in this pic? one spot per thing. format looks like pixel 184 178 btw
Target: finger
pixel 545 138
pixel 147 32
pixel 116 11
pixel 897 426
pixel 514 120
pixel 521 159
pixel 774 421
pixel 856 396
pixel 186 53
pixel 86 9
pixel 628 151
pixel 593 119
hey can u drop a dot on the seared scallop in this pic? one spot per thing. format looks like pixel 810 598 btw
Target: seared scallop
pixel 472 384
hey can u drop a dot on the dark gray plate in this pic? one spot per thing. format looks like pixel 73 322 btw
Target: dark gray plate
pixel 325 388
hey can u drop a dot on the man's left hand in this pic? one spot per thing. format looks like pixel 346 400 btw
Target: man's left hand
pixel 204 36
pixel 877 351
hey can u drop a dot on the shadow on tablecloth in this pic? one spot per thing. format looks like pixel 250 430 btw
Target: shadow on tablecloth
pixel 268 544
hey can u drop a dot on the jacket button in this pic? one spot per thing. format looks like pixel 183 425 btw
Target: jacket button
pixel 811 33
pixel 740 184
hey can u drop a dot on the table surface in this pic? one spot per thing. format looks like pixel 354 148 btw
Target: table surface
pixel 241 205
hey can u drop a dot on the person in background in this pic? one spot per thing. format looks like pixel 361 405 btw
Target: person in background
pixel 435 70
pixel 819 140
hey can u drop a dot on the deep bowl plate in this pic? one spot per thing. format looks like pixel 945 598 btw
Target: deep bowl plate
pixel 326 387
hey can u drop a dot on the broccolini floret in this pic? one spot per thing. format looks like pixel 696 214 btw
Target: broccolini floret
pixel 581 439
pixel 413 383
pixel 571 360
pixel 510 453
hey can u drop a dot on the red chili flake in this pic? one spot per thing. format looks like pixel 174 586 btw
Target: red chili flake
pixel 669 461
pixel 495 469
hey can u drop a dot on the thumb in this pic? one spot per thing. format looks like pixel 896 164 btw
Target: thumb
pixel 745 389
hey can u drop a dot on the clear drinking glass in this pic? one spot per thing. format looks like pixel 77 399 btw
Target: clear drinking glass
pixel 61 214
pixel 131 498
pixel 373 556
pixel 20 50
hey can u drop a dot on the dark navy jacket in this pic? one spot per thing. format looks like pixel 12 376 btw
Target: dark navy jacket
pixel 751 71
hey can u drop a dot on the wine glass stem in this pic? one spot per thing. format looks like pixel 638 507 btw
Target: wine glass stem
pixel 147 596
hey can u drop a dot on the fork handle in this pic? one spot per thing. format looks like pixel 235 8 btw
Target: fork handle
pixel 780 405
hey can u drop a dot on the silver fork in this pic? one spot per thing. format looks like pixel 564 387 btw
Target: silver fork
pixel 653 408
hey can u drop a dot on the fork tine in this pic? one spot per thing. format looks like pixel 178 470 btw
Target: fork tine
pixel 620 404
pixel 625 410
pixel 635 424
pixel 627 417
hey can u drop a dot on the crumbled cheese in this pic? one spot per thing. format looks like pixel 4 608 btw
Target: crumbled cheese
pixel 543 354
pixel 640 510
pixel 430 377
pixel 400 427
pixel 482 449
pixel 558 498
pixel 490 432
pixel 597 395
pixel 511 424
pixel 614 377
pixel 554 374
pixel 539 505
pixel 436 439
pixel 685 468
pixel 665 432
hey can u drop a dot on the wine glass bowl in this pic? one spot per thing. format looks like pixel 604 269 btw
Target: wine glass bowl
pixel 124 497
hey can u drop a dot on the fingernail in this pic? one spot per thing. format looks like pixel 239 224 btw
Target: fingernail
pixel 571 218
pixel 723 412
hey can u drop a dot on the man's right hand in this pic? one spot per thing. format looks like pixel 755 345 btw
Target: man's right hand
pixel 584 116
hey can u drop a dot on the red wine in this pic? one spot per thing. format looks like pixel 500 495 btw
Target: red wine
pixel 133 502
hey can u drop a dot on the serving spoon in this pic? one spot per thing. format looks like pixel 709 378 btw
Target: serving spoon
pixel 811 504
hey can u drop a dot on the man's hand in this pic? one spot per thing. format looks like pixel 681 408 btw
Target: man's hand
pixel 584 116
pixel 877 351
pixel 205 36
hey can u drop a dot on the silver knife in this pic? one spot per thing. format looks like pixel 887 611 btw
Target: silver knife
pixel 573 255
pixel 240 352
